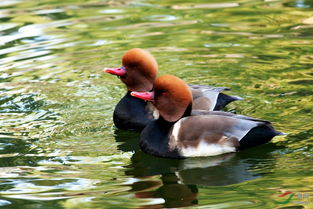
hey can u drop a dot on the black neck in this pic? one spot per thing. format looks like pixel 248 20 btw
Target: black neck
pixel 187 111
pixel 168 124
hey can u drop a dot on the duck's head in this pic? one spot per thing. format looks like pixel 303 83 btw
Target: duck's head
pixel 139 70
pixel 170 95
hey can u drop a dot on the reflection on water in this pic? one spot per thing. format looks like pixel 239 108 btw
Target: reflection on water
pixel 180 179
pixel 58 145
pixel 167 192
pixel 219 170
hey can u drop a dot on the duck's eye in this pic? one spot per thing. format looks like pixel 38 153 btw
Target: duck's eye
pixel 162 92
pixel 132 65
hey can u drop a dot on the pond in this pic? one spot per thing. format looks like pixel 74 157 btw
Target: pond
pixel 58 144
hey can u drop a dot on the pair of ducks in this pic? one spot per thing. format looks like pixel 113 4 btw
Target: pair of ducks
pixel 177 120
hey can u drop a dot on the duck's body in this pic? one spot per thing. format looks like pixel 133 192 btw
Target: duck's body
pixel 138 74
pixel 181 132
pixel 204 135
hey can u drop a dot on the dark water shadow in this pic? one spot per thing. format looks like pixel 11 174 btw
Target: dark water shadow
pixel 127 140
pixel 180 179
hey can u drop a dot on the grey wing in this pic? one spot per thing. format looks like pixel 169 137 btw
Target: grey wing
pixel 214 129
pixel 238 116
pixel 207 87
pixel 204 98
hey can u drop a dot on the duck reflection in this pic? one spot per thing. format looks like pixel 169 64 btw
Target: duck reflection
pixel 206 171
pixel 179 179
pixel 168 190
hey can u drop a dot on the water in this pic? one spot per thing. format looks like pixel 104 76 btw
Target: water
pixel 59 147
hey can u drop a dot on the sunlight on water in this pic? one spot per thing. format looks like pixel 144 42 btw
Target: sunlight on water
pixel 59 147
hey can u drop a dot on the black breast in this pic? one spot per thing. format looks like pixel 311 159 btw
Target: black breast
pixel 154 139
pixel 131 113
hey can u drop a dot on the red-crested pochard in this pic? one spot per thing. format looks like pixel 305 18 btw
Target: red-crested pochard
pixel 138 72
pixel 180 132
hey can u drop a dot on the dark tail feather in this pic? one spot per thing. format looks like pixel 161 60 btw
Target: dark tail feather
pixel 259 135
pixel 224 99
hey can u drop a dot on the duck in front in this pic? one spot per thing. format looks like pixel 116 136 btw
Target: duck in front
pixel 138 73
pixel 180 132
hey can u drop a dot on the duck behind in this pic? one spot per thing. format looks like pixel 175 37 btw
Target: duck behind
pixel 180 133
pixel 138 73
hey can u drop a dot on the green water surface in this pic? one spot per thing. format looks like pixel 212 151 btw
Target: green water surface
pixel 59 147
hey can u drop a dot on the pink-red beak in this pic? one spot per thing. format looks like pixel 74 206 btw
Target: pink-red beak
pixel 121 71
pixel 147 96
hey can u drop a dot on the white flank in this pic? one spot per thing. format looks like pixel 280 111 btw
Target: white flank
pixel 176 129
pixel 205 149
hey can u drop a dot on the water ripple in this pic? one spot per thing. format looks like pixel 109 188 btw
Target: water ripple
pixel 58 144
pixel 205 6
pixel 161 18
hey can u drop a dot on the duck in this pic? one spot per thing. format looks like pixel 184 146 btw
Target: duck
pixel 181 132
pixel 138 72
